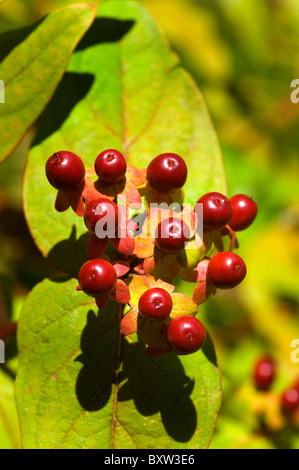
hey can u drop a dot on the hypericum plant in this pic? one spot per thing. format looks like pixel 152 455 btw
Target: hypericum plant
pixel 276 409
pixel 112 353
pixel 164 237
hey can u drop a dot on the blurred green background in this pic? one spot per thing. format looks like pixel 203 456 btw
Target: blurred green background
pixel 243 54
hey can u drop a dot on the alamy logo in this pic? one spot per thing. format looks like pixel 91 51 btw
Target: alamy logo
pixel 295 353
pixel 2 92
pixel 295 93
pixel 2 352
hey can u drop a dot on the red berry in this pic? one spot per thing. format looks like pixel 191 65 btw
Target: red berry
pixel 171 235
pixel 65 171
pixel 97 209
pixel 290 400
pixel 244 212
pixel 264 373
pixel 167 173
pixel 155 304
pixel 185 334
pixel 97 277
pixel 110 166
pixel 296 385
pixel 217 210
pixel 226 270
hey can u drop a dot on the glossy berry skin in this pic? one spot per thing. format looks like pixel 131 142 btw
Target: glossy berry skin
pixel 226 270
pixel 264 373
pixel 171 235
pixel 185 334
pixel 97 277
pixel 167 173
pixel 290 400
pixel 110 166
pixel 65 171
pixel 95 210
pixel 217 210
pixel 244 212
pixel 155 304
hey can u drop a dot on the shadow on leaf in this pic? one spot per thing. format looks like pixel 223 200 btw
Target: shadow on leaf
pixel 154 384
pixel 69 254
pixel 11 39
pixel 72 89
pixel 105 30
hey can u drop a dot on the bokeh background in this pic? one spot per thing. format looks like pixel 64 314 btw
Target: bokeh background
pixel 243 54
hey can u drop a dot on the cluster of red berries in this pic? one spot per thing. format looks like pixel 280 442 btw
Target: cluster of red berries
pixel 264 374
pixel 98 201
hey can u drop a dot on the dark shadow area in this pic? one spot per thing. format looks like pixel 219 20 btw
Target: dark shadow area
pixel 72 89
pixel 75 86
pixel 105 30
pixel 209 350
pixel 68 255
pixel 4 368
pixel 11 39
pixel 159 384
pixel 99 358
pixel 156 385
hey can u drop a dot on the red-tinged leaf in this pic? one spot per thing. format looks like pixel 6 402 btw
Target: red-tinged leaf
pixel 124 244
pixel 197 274
pixel 151 351
pixel 105 257
pixel 164 285
pixel 202 292
pixel 102 301
pixel 135 176
pixel 121 293
pixel 96 246
pixel 139 269
pixel 138 285
pixel 63 201
pixel 162 266
pixel 128 195
pixel 144 247
pixel 182 305
pixel 128 324
pixel 201 269
pixel 87 182
pixel 121 267
pixel 190 218
pixel 78 287
pixel 77 203
pixel 99 189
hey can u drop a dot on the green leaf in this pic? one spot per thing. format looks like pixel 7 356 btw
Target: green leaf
pixel 34 67
pixel 81 385
pixel 9 425
pixel 123 89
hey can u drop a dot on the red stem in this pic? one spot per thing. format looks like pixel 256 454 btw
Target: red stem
pixel 233 238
